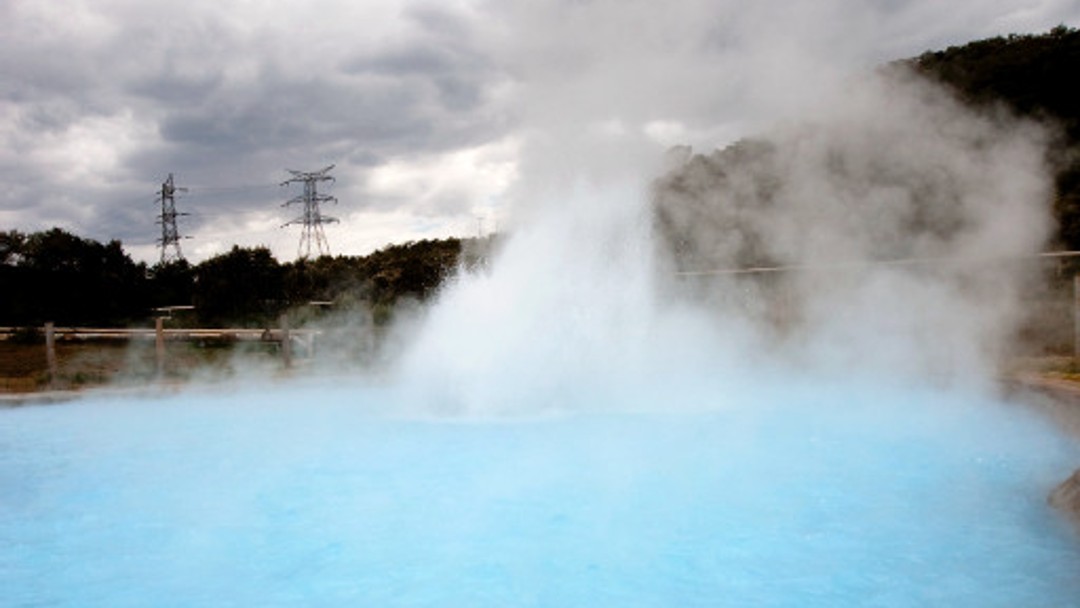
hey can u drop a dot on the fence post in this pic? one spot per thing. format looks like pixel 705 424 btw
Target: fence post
pixel 159 344
pixel 1076 315
pixel 50 351
pixel 286 341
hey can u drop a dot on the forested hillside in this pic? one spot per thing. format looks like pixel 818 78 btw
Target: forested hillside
pixel 1035 76
pixel 898 169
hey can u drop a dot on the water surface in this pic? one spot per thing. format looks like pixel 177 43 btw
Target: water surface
pixel 334 498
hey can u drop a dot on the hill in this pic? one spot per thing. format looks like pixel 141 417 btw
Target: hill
pixel 1034 76
pixel 898 169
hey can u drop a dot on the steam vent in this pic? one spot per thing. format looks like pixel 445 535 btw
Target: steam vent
pixel 1066 497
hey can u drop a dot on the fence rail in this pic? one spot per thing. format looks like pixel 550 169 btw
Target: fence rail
pixel 824 266
pixel 98 333
pixel 282 335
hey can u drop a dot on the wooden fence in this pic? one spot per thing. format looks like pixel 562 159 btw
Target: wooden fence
pixel 287 338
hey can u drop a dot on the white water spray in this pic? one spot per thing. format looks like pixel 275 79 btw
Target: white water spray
pixel 585 298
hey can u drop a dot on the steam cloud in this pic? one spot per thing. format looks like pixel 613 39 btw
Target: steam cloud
pixel 590 296
pixel 896 171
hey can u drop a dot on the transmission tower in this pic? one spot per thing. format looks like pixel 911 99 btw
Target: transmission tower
pixel 312 219
pixel 170 235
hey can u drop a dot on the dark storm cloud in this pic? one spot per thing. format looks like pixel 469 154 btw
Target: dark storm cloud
pixel 425 93
pixel 415 60
pixel 459 77
pixel 283 112
pixel 177 89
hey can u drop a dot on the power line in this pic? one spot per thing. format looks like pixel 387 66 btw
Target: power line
pixel 170 235
pixel 312 219
pixel 225 189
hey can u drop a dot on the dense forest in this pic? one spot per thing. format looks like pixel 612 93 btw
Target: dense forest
pixel 60 277
pixel 57 276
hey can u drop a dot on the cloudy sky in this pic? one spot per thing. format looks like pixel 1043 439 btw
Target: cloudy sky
pixel 437 115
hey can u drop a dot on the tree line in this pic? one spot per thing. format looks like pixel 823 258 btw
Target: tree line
pixel 57 276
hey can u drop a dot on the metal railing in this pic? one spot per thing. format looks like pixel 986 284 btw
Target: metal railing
pixel 871 263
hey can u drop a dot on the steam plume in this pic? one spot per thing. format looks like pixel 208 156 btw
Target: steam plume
pixel 586 296
pixel 894 170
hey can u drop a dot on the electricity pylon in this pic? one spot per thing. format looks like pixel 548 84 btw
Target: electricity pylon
pixel 312 219
pixel 170 235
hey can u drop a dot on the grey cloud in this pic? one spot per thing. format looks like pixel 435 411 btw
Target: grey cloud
pixel 439 22
pixel 171 88
pixel 32 71
pixel 414 60
pixel 387 116
pixel 460 74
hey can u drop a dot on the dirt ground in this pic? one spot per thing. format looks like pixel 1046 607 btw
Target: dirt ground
pixel 24 367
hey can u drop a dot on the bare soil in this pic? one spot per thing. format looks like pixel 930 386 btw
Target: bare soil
pixel 24 367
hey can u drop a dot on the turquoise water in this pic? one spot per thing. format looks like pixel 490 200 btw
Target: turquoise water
pixel 331 498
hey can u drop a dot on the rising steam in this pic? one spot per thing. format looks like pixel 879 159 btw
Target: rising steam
pixel 896 205
pixel 903 210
